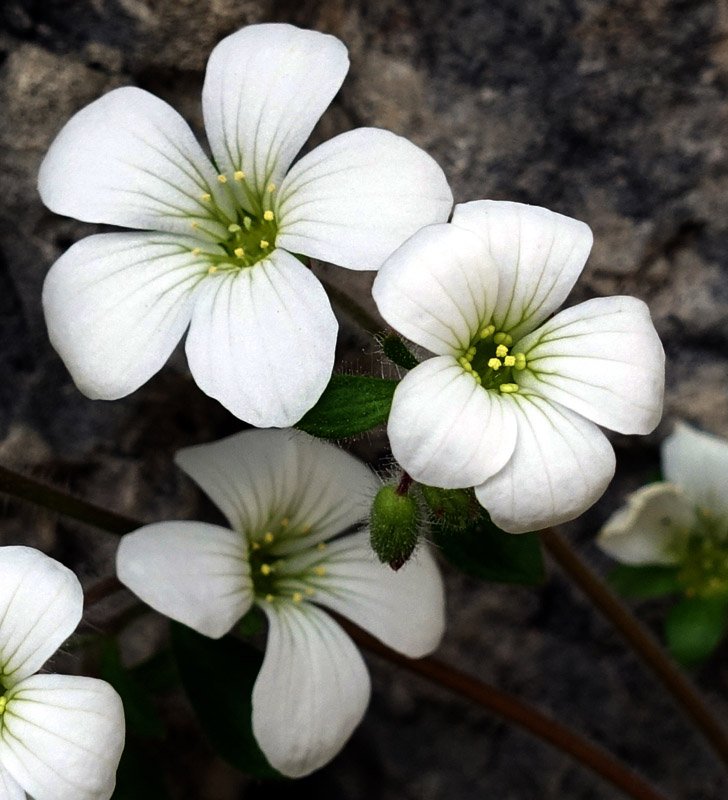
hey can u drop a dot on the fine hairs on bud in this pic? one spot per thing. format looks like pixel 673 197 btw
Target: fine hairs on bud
pixel 395 522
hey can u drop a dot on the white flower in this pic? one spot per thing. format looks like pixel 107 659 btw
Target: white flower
pixel 61 736
pixel 682 521
pixel 511 402
pixel 286 496
pixel 219 251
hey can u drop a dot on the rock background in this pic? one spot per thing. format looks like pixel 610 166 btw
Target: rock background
pixel 613 112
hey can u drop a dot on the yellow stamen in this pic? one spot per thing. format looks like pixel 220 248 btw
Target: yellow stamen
pixel 269 598
pixel 508 388
pixel 239 175
pixel 321 546
pixel 284 522
pixel 268 537
pixel 271 188
pixel 310 591
pixel 255 546
pixel 264 245
pixel 206 197
pixel 501 351
pixel 248 223
pixel 196 251
pixel 467 366
pixel 240 252
pixel 194 225
pixel 487 331
pixel 3 703
pixel 320 571
pixel 520 360
pixel 234 228
pixel 266 569
pixel 268 216
pixel 222 178
pixel 509 361
pixel 297 597
pixel 494 363
pixel 212 269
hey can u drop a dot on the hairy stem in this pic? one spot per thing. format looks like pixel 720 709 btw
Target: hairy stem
pixel 640 639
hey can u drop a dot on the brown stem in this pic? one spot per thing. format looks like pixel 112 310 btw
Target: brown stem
pixel 641 640
pixel 516 711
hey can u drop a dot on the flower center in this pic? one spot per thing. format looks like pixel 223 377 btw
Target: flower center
pixel 251 234
pixel 282 575
pixel 704 561
pixel 490 362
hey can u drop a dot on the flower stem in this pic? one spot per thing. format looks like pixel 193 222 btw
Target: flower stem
pixel 640 639
pixel 516 711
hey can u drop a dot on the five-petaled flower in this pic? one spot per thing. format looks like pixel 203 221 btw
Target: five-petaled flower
pixel 287 498
pixel 61 736
pixel 682 521
pixel 219 249
pixel 511 401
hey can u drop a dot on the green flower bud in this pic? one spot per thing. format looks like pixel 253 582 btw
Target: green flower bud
pixel 451 508
pixel 394 523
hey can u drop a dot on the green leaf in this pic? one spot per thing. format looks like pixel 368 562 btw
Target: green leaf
pixel 695 626
pixel 483 550
pixel 141 715
pixel 350 404
pixel 644 581
pixel 397 351
pixel 218 676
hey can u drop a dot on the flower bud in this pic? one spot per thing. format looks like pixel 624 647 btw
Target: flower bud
pixel 394 523
pixel 451 508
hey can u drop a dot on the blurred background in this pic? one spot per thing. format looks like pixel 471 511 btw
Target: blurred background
pixel 611 111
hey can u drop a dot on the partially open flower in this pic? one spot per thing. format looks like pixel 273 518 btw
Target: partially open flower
pixel 61 736
pixel 682 521
pixel 287 498
pixel 220 249
pixel 511 402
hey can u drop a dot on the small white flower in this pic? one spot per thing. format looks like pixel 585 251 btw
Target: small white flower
pixel 219 251
pixel 682 521
pixel 286 496
pixel 511 402
pixel 61 736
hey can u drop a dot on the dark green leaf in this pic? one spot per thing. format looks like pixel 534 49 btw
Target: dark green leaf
pixel 695 626
pixel 397 351
pixel 141 715
pixel 484 551
pixel 350 404
pixel 218 676
pixel 644 581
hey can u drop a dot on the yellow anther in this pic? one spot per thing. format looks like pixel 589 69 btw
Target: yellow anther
pixel 508 340
pixel 467 366
pixel 212 269
pixel 508 388
pixel 321 546
pixel 478 379
pixel 520 360
pixel 255 546
pixel 470 354
pixel 234 228
pixel 499 338
pixel 248 223
pixel 306 529
pixel 320 571
pixel 266 569
pixel 268 216
pixel 240 252
pixel 501 351
pixel 271 188
pixel 494 363
pixel 196 251
pixel 3 703
pixel 194 225
pixel 269 598
pixel 206 197
pixel 264 245
pixel 509 361
pixel 284 522
pixel 222 178
pixel 268 537
pixel 297 597
pixel 310 591
pixel 239 175
pixel 487 331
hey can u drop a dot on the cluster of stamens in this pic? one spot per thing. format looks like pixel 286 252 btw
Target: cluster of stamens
pixel 490 362
pixel 704 561
pixel 278 575
pixel 251 234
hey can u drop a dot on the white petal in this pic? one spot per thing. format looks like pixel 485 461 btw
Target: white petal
pixel 130 159
pixel 258 478
pixel 62 737
pixel 438 288
pixel 41 603
pixel 603 359
pixel 265 88
pixel 262 341
pixel 539 255
pixel 10 789
pixel 311 692
pixel 192 572
pixel 356 198
pixel 561 465
pixel 698 462
pixel 649 529
pixel 404 609
pixel 447 431
pixel 116 305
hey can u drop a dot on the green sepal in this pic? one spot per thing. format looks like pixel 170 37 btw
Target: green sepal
pixel 350 404
pixel 218 677
pixel 695 626
pixel 397 351
pixel 644 581
pixel 483 550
